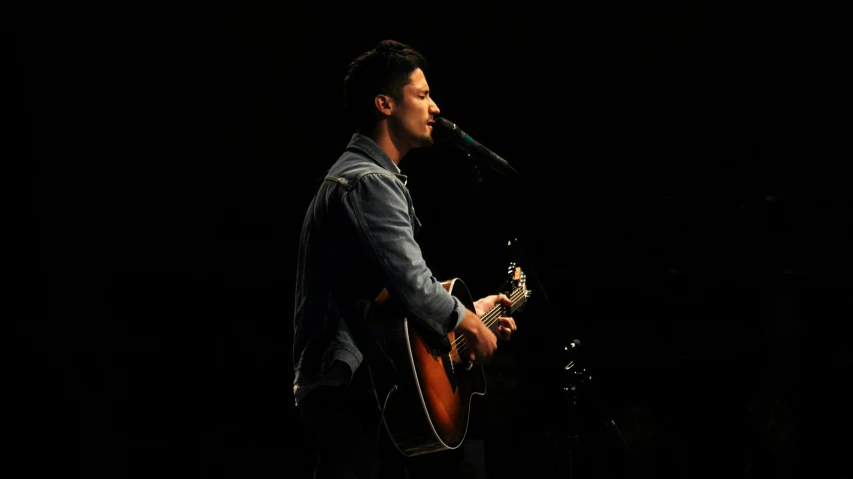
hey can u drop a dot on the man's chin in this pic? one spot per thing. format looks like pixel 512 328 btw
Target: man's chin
pixel 425 142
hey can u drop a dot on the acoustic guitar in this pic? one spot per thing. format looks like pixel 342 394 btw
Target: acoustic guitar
pixel 424 392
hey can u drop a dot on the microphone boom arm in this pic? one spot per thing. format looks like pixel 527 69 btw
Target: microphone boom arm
pixel 464 142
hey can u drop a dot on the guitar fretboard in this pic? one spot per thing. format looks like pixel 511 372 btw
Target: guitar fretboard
pixel 491 318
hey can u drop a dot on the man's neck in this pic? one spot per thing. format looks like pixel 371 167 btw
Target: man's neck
pixel 395 149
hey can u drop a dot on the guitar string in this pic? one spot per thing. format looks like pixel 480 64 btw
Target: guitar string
pixel 489 319
pixel 494 313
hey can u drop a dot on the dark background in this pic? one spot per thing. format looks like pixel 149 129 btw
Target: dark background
pixel 682 209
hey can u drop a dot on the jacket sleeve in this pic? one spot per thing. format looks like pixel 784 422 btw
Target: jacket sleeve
pixel 378 207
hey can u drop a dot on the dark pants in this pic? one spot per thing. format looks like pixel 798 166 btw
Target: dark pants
pixel 344 422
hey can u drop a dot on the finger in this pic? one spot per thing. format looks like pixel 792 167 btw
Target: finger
pixel 504 333
pixel 508 323
pixel 495 335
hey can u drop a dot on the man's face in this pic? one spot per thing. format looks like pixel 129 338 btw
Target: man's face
pixel 412 118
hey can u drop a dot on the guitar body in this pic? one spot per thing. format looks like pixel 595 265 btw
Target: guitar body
pixel 430 409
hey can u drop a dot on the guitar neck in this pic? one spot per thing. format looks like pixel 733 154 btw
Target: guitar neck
pixel 490 318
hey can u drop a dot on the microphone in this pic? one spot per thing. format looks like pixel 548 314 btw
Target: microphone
pixel 574 345
pixel 572 350
pixel 461 140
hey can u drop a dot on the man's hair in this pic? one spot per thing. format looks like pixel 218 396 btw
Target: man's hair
pixel 385 70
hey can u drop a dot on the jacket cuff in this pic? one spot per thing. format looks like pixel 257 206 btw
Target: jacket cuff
pixel 459 311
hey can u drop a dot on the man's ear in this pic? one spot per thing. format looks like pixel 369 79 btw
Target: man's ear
pixel 384 104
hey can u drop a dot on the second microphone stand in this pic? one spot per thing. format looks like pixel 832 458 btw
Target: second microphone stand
pixel 578 392
pixel 583 412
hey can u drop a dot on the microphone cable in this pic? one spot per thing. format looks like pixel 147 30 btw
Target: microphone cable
pixel 379 430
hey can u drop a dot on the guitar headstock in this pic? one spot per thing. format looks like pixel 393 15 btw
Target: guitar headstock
pixel 518 281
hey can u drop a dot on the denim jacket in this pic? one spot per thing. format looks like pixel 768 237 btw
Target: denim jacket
pixel 358 237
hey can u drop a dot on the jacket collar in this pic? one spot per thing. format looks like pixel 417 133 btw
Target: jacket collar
pixel 366 145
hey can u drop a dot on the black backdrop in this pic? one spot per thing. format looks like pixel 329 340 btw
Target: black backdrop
pixel 681 209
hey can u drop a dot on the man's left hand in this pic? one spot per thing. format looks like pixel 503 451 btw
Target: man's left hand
pixel 507 324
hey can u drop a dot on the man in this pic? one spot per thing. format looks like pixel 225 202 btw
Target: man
pixel 358 238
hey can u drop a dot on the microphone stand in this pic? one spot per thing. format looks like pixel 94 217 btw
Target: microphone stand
pixel 515 243
pixel 580 396
pixel 576 387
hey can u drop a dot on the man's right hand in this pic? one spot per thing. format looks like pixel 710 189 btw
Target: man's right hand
pixel 480 342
